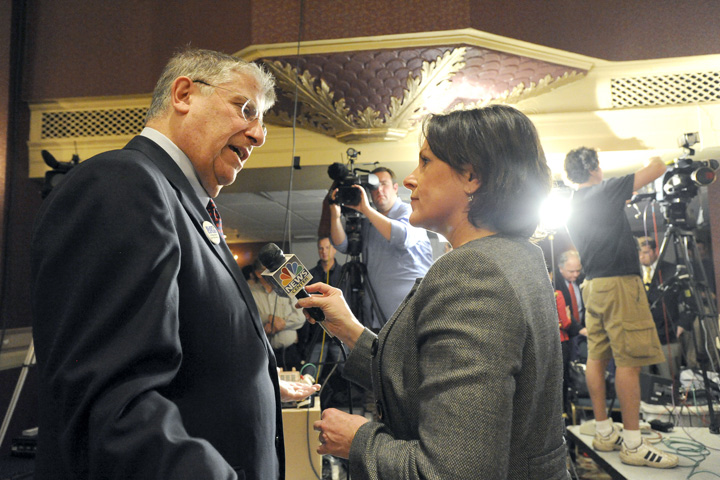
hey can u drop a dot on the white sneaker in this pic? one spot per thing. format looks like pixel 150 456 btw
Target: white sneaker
pixel 648 456
pixel 608 443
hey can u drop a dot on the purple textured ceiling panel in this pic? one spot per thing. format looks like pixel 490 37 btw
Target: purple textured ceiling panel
pixel 367 78
pixel 370 78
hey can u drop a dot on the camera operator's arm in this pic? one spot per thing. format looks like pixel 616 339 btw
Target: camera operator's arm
pixel 337 232
pixel 324 227
pixel 654 169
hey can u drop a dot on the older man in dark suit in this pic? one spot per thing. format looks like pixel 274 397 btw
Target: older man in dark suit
pixel 567 281
pixel 153 361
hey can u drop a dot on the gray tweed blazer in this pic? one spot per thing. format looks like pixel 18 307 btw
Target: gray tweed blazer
pixel 467 374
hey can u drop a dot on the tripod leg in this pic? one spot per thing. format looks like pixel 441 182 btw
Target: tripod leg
pixel 373 299
pixel 707 338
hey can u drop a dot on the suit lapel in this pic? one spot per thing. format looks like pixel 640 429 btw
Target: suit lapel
pixel 198 214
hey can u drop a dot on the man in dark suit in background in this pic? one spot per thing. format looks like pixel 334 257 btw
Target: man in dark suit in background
pixel 153 361
pixel 670 323
pixel 319 349
pixel 570 269
pixel 327 270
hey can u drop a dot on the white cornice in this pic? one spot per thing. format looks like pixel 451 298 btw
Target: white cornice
pixel 467 36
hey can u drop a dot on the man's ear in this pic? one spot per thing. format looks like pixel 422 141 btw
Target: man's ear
pixel 180 92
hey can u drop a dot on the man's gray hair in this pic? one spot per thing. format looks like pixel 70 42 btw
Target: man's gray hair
pixel 565 256
pixel 211 67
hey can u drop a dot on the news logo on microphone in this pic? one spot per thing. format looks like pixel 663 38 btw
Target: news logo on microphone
pixel 290 277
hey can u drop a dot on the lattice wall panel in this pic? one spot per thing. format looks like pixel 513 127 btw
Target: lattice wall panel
pixel 93 123
pixel 675 89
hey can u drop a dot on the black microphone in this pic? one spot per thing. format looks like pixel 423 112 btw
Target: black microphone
pixel 288 276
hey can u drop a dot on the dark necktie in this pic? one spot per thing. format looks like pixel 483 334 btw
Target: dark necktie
pixel 573 302
pixel 215 215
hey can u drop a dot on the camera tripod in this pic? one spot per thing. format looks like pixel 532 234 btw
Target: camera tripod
pixel 354 274
pixel 690 278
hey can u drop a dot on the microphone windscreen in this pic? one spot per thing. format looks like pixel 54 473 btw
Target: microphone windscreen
pixel 271 257
pixel 337 171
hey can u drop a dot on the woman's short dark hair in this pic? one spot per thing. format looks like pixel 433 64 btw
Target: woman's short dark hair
pixel 579 163
pixel 501 146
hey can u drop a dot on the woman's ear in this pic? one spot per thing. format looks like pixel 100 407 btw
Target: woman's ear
pixel 472 182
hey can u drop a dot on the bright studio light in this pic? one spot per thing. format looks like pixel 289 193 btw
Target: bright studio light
pixel 555 210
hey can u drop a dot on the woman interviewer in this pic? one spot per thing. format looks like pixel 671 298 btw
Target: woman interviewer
pixel 467 373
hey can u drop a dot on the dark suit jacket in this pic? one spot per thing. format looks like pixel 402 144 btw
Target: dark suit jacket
pixel 560 285
pixel 153 362
pixel 664 308
pixel 310 333
pixel 467 374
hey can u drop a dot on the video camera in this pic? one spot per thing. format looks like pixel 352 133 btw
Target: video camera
pixel 345 178
pixel 685 176
pixel 682 181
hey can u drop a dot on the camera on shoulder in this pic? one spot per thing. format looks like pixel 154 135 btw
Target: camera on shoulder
pixel 346 178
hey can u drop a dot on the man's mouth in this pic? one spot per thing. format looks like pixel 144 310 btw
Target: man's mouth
pixel 242 153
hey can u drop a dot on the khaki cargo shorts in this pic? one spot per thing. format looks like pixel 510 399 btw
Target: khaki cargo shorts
pixel 619 323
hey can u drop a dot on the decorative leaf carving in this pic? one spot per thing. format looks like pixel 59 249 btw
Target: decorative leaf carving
pixel 317 111
pixel 320 113
pixel 404 112
pixel 520 92
pixel 369 118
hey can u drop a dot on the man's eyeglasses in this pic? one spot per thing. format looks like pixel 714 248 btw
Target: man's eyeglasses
pixel 248 109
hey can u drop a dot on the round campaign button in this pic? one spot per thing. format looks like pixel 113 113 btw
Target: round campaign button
pixel 211 232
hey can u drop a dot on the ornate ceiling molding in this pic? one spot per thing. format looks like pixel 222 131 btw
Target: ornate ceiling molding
pixel 320 112
pixel 380 91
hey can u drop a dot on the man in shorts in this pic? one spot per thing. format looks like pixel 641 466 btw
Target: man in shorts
pixel 617 315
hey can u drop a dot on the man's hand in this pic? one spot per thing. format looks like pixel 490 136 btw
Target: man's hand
pixel 364 204
pixel 274 324
pixel 296 391
pixel 337 430
pixel 334 206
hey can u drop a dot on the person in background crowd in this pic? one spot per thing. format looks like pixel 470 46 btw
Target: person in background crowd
pixel 319 349
pixel 618 319
pixel 395 253
pixel 669 321
pixel 570 270
pixel 280 320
